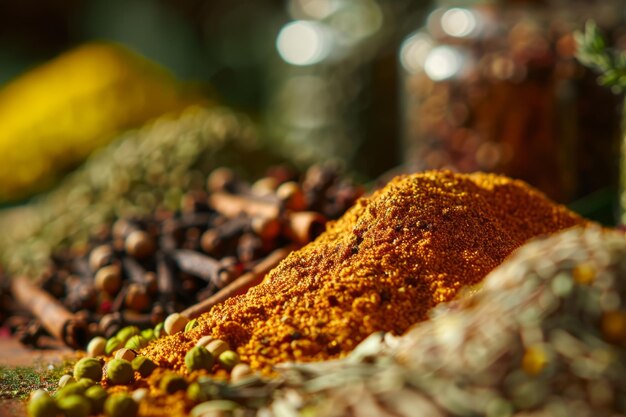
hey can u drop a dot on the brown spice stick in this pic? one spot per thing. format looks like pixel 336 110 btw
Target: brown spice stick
pixel 233 205
pixel 241 284
pixel 61 323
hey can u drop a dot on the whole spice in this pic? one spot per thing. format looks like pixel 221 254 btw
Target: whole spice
pixel 96 395
pixel 119 372
pixel 143 365
pixel 88 368
pixel 74 406
pixel 96 346
pixel 172 382
pixel 41 405
pixel 120 405
pixel 198 358
pixel 382 266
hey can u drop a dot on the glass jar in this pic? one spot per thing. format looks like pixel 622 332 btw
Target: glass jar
pixel 494 86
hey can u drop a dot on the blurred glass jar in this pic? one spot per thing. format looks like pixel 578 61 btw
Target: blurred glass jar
pixel 494 86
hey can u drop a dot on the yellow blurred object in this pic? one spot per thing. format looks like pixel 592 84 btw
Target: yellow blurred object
pixel 54 116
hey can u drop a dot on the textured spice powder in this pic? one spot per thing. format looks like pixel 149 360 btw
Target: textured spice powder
pixel 382 266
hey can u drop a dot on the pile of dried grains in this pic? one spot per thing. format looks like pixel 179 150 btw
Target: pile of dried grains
pixel 382 266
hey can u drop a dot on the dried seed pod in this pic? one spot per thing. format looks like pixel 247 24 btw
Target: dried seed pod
pixel 74 406
pixel 109 279
pixel 96 396
pixel 65 379
pixel 120 404
pixel 175 323
pixel 240 371
pixel 119 372
pixel 88 368
pixel 126 354
pixel 228 359
pixel 204 341
pixel 217 347
pixel 291 195
pixel 139 244
pixel 172 382
pixel 100 256
pixel 96 346
pixel 198 358
pixel 137 297
pixel 144 366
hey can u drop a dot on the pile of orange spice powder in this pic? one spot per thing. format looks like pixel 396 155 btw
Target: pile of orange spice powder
pixel 381 267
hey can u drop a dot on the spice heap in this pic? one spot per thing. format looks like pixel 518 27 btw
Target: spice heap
pixel 137 271
pixel 382 266
pixel 545 336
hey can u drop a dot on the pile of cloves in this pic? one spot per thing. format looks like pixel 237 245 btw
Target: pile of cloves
pixel 136 271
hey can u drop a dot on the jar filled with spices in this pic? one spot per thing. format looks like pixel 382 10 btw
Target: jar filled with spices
pixel 495 86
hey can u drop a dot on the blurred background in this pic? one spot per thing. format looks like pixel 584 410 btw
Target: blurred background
pixel 376 85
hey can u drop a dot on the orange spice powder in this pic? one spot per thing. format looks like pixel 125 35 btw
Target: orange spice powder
pixel 382 266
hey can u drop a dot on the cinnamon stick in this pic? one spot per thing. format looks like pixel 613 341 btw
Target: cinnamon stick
pixel 57 320
pixel 241 284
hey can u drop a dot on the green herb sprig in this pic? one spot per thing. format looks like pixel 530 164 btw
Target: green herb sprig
pixel 594 53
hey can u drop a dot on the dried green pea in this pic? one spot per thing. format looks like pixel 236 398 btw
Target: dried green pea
pixel 75 406
pixel 191 324
pixel 127 332
pixel 66 379
pixel 198 358
pixel 228 359
pixel 120 405
pixel 88 368
pixel 73 388
pixel 196 393
pixel 97 346
pixel 136 342
pixel 41 405
pixel 212 407
pixel 96 395
pixel 172 382
pixel 126 354
pixel 217 347
pixel 112 345
pixel 148 334
pixel 143 365
pixel 119 372
pixel 159 330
